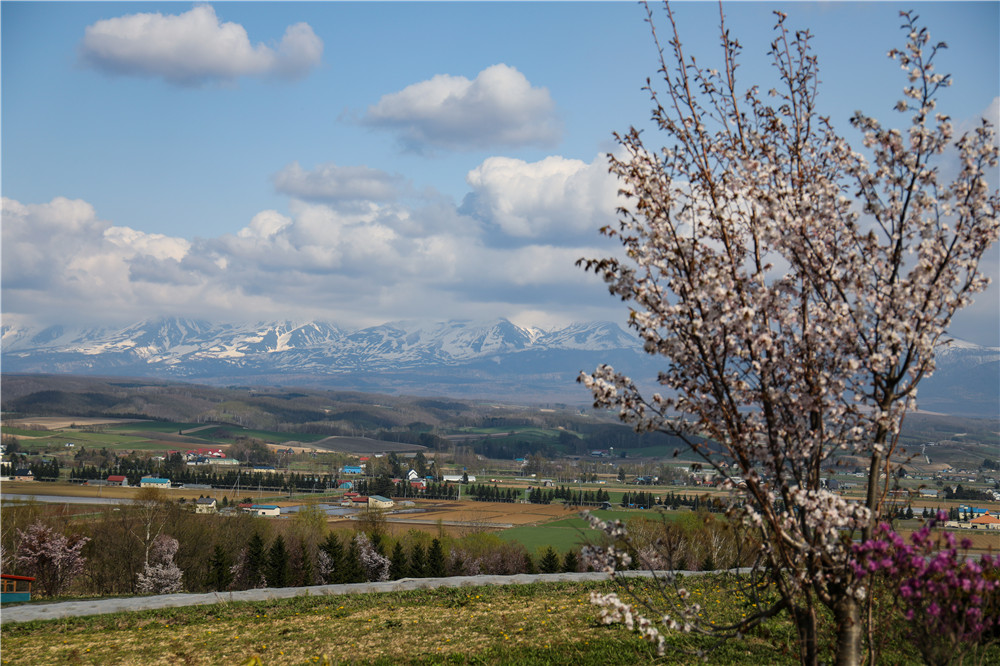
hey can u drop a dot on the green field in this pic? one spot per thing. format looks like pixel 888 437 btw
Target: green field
pixel 571 533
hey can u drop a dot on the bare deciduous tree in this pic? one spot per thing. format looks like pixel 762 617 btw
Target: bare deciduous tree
pixel 797 291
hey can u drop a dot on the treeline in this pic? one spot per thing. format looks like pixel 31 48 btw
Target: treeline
pixel 155 546
pixel 384 486
pixel 41 470
pixel 960 493
pixel 645 500
pixel 134 469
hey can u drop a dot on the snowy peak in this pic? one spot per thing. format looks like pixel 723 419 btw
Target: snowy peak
pixel 493 358
pixel 184 343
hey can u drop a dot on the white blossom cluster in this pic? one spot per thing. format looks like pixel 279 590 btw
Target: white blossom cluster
pixel 376 566
pixel 614 610
pixel 611 560
pixel 161 575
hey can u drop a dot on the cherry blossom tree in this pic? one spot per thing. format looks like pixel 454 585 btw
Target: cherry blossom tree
pixel 50 556
pixel 797 291
pixel 160 574
pixel 375 565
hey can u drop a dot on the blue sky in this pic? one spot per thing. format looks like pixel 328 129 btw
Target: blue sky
pixel 368 162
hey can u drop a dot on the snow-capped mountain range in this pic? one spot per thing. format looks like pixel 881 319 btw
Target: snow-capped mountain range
pixel 446 357
pixel 495 359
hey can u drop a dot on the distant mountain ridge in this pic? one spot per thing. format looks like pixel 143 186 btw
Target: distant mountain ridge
pixel 493 358
pixel 486 359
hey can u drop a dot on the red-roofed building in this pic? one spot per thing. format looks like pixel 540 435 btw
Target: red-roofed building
pixel 117 480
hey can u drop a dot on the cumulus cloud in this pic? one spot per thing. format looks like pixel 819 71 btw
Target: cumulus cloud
pixel 554 196
pixel 498 108
pixel 194 48
pixel 60 257
pixel 354 266
pixel 332 183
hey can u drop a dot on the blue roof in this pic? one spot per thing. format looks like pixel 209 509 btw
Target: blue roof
pixel 264 506
pixel 153 479
pixel 379 498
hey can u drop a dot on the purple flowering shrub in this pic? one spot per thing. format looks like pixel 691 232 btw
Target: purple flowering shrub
pixel 949 599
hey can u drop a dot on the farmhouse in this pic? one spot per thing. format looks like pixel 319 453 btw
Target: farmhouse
pixel 352 469
pixel 24 474
pixel 457 478
pixel 271 510
pixel 379 502
pixel 117 480
pixel 153 482
pixel 205 505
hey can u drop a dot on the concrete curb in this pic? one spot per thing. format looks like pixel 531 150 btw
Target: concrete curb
pixel 64 609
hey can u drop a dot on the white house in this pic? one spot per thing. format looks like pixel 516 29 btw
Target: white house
pixel 205 505
pixel 270 510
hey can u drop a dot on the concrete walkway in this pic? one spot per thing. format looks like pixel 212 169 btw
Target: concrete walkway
pixel 62 609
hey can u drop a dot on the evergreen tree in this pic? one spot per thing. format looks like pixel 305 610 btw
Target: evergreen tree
pixel 353 571
pixel 306 574
pixel 435 560
pixel 529 564
pixel 219 570
pixel 254 562
pixel 277 564
pixel 571 563
pixel 332 566
pixel 398 567
pixel 418 564
pixel 550 561
pixel 709 563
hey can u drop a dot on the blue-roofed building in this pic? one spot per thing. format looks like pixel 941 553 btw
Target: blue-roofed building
pixel 352 469
pixel 271 510
pixel 153 482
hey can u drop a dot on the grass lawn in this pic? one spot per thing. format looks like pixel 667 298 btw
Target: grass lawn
pixel 522 624
pixel 540 623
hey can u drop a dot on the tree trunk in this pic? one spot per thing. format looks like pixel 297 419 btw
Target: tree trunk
pixel 805 624
pixel 847 615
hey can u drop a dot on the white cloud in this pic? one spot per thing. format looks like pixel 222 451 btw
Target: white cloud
pixel 364 265
pixel 195 47
pixel 329 182
pixel 59 257
pixel 551 197
pixel 498 108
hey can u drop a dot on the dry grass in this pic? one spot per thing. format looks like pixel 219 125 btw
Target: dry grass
pixel 394 628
